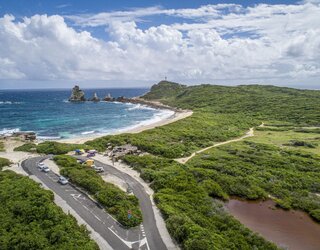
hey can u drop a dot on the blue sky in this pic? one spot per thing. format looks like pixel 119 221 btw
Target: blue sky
pixel 49 44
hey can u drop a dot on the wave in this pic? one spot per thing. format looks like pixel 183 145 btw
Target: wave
pixel 157 117
pixel 10 102
pixel 140 107
pixel 48 138
pixel 88 132
pixel 8 132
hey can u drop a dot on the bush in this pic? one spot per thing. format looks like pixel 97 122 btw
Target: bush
pixel 31 220
pixel 51 147
pixel 315 214
pixel 4 162
pixel 27 147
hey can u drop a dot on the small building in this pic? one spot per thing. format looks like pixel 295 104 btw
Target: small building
pixel 123 150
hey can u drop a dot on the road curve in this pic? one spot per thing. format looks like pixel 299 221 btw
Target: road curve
pixel 152 233
pixel 145 237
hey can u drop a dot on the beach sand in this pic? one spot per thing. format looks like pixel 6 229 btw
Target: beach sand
pixel 178 115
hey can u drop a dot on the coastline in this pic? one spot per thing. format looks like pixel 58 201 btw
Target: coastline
pixel 177 115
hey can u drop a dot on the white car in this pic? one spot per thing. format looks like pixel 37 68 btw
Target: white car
pixel 40 165
pixel 62 180
pixel 98 169
pixel 45 169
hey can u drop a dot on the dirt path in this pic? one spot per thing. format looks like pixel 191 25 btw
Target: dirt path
pixel 184 160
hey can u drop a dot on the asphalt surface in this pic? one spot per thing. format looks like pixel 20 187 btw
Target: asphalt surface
pixel 144 237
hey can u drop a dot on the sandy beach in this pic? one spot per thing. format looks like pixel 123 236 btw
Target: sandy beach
pixel 178 115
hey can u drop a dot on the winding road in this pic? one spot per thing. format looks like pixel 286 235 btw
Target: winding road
pixel 145 237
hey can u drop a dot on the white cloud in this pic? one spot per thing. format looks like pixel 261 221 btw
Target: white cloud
pixel 224 43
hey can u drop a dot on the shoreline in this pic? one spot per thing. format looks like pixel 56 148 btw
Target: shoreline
pixel 176 116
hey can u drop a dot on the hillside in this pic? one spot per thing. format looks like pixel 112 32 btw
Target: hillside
pixel 220 113
pixel 265 102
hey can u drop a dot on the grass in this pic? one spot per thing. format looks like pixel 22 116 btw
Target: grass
pixel 283 138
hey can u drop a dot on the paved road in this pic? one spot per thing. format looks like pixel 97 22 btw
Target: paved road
pixel 145 237
pixel 149 222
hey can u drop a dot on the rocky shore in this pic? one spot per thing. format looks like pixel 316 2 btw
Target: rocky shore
pixel 78 95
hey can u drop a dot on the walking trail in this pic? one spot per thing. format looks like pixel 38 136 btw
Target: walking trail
pixel 184 160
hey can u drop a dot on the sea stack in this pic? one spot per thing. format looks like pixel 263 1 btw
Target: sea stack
pixel 77 95
pixel 108 98
pixel 95 98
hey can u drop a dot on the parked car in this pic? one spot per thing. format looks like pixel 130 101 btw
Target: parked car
pixel 63 180
pixel 91 154
pixel 40 165
pixel 45 169
pixel 98 169
pixel 81 161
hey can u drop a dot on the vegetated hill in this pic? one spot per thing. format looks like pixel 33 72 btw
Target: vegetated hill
pixel 264 102
pixel 220 113
pixel 164 90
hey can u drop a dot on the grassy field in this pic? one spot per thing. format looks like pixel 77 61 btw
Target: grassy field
pixel 286 139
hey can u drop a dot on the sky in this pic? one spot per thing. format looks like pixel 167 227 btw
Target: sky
pixel 56 44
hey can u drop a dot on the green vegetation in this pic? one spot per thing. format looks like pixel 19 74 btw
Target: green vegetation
pixel 4 162
pixel 182 138
pixel 289 139
pixel 266 103
pixel 50 147
pixel 220 113
pixel 111 197
pixel 2 146
pixel 27 147
pixel 30 219
pixel 254 171
pixel 195 220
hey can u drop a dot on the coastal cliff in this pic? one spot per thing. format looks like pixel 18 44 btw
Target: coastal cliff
pixel 77 95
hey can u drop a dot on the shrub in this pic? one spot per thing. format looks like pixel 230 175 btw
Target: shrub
pixel 4 162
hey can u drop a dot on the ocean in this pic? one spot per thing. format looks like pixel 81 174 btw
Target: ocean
pixel 51 116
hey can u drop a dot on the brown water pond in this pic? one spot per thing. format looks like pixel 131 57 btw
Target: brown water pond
pixel 293 230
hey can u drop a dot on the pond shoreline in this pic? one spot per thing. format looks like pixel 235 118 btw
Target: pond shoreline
pixel 293 230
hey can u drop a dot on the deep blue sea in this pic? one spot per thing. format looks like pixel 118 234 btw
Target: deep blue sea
pixel 51 116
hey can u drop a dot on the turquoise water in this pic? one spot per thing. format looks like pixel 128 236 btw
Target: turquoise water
pixel 51 116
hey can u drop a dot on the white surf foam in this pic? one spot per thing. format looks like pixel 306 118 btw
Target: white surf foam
pixel 9 102
pixel 88 132
pixel 8 131
pixel 140 107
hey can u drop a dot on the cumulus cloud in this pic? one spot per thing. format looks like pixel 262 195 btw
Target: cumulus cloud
pixel 224 42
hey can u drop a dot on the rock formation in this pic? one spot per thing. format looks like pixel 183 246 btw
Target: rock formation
pixel 95 98
pixel 77 95
pixel 108 98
